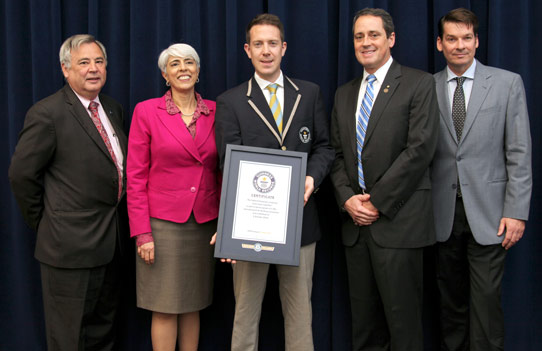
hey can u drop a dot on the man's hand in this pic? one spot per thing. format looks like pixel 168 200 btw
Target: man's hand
pixel 309 188
pixel 361 209
pixel 146 252
pixel 513 228
pixel 228 260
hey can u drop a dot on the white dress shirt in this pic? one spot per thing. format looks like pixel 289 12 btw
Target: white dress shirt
pixel 111 134
pixel 380 74
pixel 467 84
pixel 262 83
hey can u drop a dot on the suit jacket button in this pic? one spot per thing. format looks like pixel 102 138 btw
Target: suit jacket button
pixel 283 147
pixel 193 189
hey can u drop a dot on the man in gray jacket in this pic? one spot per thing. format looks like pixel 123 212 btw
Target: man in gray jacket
pixel 481 180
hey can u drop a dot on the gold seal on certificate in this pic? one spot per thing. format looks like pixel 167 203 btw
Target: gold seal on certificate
pixel 261 206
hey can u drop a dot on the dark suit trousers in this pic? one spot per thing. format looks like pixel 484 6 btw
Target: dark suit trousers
pixel 80 306
pixel 385 295
pixel 469 278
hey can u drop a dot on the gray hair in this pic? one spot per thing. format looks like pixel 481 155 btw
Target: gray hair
pixel 177 50
pixel 74 43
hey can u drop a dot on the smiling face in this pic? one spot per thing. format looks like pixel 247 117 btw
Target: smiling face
pixel 265 50
pixel 458 44
pixel 371 45
pixel 87 73
pixel 181 73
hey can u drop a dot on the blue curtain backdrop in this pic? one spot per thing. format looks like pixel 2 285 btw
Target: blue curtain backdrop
pixel 318 33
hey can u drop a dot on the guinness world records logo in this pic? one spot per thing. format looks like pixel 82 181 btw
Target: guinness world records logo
pixel 264 182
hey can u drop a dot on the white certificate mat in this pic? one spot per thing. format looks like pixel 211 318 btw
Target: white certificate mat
pixel 261 205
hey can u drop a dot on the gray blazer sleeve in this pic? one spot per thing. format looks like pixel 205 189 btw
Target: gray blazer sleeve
pixel 517 144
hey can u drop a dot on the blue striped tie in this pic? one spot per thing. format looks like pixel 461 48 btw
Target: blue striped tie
pixel 362 121
pixel 275 105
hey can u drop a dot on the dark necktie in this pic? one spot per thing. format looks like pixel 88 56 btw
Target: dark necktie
pixel 459 113
pixel 93 107
pixel 459 110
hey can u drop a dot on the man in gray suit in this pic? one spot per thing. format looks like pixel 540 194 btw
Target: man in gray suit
pixel 481 179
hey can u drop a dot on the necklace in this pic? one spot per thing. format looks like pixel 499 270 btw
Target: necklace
pixel 191 102
pixel 186 114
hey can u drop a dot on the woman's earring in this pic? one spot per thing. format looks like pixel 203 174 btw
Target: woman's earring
pixel 167 83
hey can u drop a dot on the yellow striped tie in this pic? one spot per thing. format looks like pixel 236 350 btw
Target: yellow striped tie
pixel 275 105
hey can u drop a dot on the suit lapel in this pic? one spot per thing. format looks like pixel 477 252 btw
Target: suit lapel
pixel 116 122
pixel 257 101
pixel 177 129
pixel 441 81
pixel 81 115
pixel 205 127
pixel 292 98
pixel 387 89
pixel 480 88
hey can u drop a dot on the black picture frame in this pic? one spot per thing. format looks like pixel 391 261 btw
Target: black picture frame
pixel 260 250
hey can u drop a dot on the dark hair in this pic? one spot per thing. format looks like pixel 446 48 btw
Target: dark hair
pixel 387 21
pixel 460 15
pixel 265 18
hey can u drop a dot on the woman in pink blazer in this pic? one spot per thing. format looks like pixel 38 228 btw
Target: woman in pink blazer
pixel 173 198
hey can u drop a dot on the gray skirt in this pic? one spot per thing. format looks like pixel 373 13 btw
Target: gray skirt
pixel 181 278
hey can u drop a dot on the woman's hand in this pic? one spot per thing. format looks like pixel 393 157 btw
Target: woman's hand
pixel 146 252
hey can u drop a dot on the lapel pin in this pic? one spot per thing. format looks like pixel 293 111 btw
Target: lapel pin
pixel 387 88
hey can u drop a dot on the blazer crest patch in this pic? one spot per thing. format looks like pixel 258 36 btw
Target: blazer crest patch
pixel 304 135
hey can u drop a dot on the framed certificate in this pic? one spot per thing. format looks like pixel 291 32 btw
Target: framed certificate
pixel 261 206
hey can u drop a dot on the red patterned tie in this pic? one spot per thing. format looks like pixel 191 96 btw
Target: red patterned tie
pixel 93 107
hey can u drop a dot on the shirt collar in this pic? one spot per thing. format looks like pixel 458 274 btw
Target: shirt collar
pixel 262 83
pixel 85 101
pixel 380 74
pixel 172 109
pixel 469 73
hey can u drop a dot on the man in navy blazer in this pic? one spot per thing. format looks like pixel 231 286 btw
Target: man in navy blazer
pixel 244 117
pixel 382 184
pixel 67 177
pixel 482 182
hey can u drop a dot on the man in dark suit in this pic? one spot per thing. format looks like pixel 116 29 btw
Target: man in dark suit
pixel 67 177
pixel 384 129
pixel 482 183
pixel 244 117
